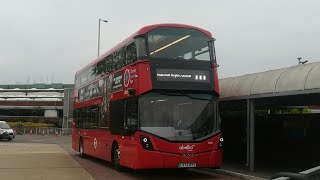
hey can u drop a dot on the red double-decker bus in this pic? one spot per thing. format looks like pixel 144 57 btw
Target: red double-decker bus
pixel 151 101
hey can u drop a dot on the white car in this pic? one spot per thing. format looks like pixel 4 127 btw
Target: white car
pixel 6 132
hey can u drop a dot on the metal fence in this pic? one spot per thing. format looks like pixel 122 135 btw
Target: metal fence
pixel 310 174
pixel 44 131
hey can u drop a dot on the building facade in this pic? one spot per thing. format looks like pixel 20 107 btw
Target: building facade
pixel 46 103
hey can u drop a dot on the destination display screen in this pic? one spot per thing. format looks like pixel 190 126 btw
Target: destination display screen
pixel 182 75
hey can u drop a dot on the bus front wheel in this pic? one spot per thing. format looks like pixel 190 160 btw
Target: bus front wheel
pixel 81 149
pixel 116 157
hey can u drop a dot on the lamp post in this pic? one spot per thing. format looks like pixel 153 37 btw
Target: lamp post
pixel 99 35
pixel 301 62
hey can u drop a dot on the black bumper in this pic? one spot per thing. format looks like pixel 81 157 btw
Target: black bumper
pixel 4 135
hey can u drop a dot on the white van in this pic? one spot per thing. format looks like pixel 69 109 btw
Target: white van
pixel 6 131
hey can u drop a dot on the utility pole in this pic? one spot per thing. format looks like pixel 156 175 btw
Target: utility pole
pixel 99 35
pixel 301 62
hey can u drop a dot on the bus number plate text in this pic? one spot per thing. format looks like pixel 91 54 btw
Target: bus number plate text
pixel 185 165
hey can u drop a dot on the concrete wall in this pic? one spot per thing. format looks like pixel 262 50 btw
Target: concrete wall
pixel 67 108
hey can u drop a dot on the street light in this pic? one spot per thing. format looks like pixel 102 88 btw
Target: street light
pixel 99 35
pixel 301 62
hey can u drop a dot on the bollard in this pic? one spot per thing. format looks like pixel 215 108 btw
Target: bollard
pixel 30 132
pixel 42 133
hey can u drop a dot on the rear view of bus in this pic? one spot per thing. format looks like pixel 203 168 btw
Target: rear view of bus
pixel 161 102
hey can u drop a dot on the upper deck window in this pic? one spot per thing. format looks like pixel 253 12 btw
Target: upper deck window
pixel 179 43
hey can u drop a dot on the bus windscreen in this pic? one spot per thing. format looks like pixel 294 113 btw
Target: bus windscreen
pixel 177 117
pixel 179 43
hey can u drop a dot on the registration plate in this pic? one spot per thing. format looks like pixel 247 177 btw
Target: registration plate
pixel 185 165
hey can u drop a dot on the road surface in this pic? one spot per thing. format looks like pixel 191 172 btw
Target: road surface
pixel 38 156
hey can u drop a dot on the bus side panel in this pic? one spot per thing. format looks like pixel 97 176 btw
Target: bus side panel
pixel 108 146
pixel 86 141
pixel 98 143
pixel 104 144
pixel 75 138
pixel 145 83
pixel 128 149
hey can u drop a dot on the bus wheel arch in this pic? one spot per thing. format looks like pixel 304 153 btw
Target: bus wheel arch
pixel 81 148
pixel 115 156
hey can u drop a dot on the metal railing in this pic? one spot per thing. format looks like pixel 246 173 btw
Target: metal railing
pixel 310 174
pixel 45 131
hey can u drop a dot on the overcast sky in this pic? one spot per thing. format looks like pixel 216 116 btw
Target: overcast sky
pixel 42 40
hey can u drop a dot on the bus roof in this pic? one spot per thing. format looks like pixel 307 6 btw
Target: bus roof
pixel 141 31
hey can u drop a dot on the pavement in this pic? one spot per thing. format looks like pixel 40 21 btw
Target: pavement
pixel 30 161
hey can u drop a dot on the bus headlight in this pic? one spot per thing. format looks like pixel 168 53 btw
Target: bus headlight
pixel 146 143
pixel 220 142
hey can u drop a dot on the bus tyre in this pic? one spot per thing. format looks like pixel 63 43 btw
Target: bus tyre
pixel 116 158
pixel 81 149
pixel 9 139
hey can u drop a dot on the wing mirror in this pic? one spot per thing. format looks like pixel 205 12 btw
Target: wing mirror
pixel 132 91
pixel 132 121
pixel 132 124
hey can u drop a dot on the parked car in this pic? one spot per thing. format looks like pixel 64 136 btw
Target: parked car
pixel 6 132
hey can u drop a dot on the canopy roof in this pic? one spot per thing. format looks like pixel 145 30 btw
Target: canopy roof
pixel 300 79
